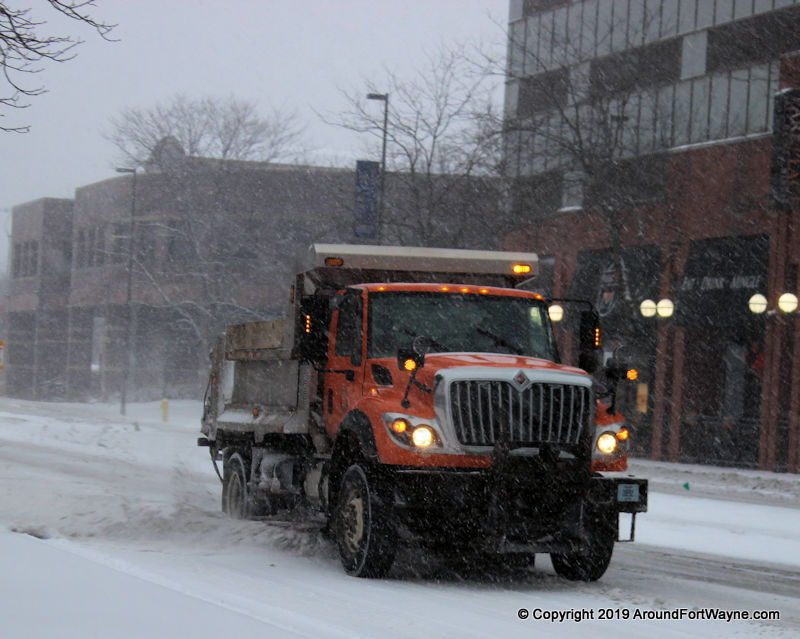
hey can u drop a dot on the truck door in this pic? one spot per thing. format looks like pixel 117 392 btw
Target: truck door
pixel 345 354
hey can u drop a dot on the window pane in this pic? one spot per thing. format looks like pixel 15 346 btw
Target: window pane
pixel 636 23
pixel 700 89
pixel 630 125
pixel 724 11
pixel 759 6
pixel 669 18
pixel 604 22
pixel 737 108
pixel 664 119
pixel 532 62
pixel 742 8
pixel 719 107
pixel 517 49
pixel 546 39
pixel 588 40
pixel 652 20
pixel 705 14
pixel 647 110
pixel 683 106
pixel 774 73
pixel 758 100
pixel 573 44
pixel 560 49
pixel 687 9
pixel 619 26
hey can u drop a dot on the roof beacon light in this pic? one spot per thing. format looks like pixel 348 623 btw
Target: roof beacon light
pixel 334 261
pixel 521 269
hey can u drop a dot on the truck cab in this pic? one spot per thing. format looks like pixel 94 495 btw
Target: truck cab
pixel 417 395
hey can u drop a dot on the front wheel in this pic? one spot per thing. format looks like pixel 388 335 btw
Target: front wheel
pixel 364 528
pixel 590 560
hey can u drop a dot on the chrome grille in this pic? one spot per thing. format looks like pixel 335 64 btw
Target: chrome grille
pixel 541 413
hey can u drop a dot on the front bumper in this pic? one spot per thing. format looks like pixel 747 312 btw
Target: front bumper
pixel 518 510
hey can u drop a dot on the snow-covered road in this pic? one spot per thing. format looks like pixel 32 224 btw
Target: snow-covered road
pixel 110 527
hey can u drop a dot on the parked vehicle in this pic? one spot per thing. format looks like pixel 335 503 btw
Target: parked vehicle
pixel 414 395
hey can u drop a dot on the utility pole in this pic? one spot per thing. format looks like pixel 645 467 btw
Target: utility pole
pixel 126 363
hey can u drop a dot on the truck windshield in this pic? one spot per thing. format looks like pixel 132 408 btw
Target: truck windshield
pixel 459 324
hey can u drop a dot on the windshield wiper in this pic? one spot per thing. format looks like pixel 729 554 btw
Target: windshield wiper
pixel 435 343
pixel 500 341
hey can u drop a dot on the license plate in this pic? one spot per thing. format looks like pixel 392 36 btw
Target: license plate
pixel 628 492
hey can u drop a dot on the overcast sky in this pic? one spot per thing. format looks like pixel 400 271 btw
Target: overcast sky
pixel 287 53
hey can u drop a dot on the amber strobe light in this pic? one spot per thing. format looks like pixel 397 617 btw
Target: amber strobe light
pixel 521 269
pixel 623 434
pixel 308 323
pixel 409 364
pixel 399 425
pixel 598 337
pixel 632 374
pixel 334 261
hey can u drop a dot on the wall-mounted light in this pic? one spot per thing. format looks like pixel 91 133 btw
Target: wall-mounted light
pixel 787 303
pixel 556 312
pixel 757 304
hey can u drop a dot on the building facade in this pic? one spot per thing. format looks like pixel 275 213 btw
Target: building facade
pixel 207 243
pixel 653 148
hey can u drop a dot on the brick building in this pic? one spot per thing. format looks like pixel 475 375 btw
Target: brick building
pixel 214 243
pixel 651 163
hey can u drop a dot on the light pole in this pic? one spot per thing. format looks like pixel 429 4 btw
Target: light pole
pixel 384 97
pixel 126 363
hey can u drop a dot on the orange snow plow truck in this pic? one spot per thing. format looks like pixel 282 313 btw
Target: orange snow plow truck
pixel 415 396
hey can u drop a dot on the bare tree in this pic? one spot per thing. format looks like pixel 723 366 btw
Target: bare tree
pixel 209 127
pixel 445 164
pixel 229 219
pixel 24 47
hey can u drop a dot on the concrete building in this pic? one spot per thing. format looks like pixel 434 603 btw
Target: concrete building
pixel 654 162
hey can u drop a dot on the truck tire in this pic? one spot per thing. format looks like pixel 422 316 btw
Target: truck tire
pixel 363 525
pixel 235 494
pixel 590 561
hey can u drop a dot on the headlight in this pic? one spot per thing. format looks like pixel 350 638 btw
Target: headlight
pixel 607 443
pixel 422 436
pixel 412 432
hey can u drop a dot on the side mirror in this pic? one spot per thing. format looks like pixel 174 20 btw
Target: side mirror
pixel 410 360
pixel 590 341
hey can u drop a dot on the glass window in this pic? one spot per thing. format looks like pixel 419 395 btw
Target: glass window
pixel 758 99
pixel 760 6
pixel 682 112
pixel 572 194
pixel 90 254
pixel 664 119
pixel 605 17
pixel 588 39
pixel 348 328
pixel 560 54
pixel 17 254
pixel 538 148
pixel 619 26
pixel 34 258
pixel 699 122
pixel 573 43
pixel 80 257
pixel 459 323
pixel 647 113
pixel 693 54
pixel 723 11
pixel 120 242
pixel 517 49
pixel 532 62
pixel 779 4
pixel 774 76
pixel 100 246
pixel 687 9
pixel 718 113
pixel 742 8
pixel 737 105
pixel 511 99
pixel 669 18
pixel 705 14
pixel 630 125
pixel 652 20
pixel 546 40
pixel 636 23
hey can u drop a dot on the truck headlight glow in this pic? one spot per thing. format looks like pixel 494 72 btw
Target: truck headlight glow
pixel 422 436
pixel 607 443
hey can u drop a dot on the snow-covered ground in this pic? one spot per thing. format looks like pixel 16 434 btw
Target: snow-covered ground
pixel 110 527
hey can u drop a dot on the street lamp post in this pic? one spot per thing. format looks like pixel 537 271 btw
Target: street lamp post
pixel 126 364
pixel 384 97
